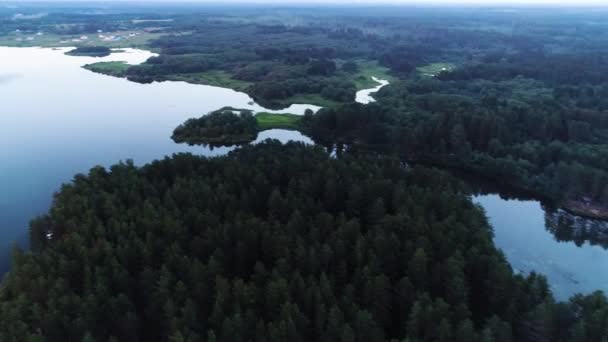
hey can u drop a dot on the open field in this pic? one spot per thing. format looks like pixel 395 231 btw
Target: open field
pixel 314 99
pixel 367 70
pixel 217 78
pixel 271 121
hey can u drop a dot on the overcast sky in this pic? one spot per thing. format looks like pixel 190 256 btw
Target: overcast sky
pixel 417 2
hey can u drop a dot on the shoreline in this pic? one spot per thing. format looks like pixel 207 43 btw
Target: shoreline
pixel 586 210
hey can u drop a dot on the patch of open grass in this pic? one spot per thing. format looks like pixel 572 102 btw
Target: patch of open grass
pixel 313 99
pixel 434 69
pixel 270 121
pixel 216 78
pixel 367 70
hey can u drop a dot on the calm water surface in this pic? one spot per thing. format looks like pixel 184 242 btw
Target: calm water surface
pixel 58 119
pixel 570 251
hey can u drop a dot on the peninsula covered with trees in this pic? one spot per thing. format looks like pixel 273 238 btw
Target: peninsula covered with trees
pixel 275 243
pixel 232 126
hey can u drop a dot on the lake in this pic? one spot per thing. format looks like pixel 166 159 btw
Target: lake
pixel 59 119
pixel 569 250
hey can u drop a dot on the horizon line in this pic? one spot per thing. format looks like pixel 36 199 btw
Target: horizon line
pixel 358 3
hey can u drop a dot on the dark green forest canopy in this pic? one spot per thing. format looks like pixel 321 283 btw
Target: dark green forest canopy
pixel 525 132
pixel 526 101
pixel 275 243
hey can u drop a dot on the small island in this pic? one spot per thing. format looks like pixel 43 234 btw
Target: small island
pixel 232 126
pixel 90 51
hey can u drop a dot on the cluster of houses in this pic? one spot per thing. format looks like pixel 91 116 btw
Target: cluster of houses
pixel 29 38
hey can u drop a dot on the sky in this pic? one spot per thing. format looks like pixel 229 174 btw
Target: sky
pixel 417 2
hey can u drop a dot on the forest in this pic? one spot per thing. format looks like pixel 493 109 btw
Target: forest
pixel 526 107
pixel 271 243
pixel 519 131
pixel 287 242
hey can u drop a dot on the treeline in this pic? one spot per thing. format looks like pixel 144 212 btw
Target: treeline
pixel 558 69
pixel 91 51
pixel 276 243
pixel 517 131
pixel 279 61
pixel 569 227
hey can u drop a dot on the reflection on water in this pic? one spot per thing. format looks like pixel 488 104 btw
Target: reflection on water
pixel 568 250
pixel 566 227
pixel 127 55
pixel 283 136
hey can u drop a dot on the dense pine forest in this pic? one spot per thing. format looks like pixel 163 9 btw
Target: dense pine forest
pixel 289 242
pixel 275 243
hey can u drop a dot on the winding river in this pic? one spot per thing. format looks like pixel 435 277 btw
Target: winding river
pixel 365 96
pixel 59 119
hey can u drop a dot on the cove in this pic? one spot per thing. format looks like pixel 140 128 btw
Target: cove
pixel 59 119
pixel 571 251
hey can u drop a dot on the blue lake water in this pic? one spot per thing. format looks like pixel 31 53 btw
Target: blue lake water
pixel 566 249
pixel 59 119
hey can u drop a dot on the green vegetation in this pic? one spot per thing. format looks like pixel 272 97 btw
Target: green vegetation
pixel 216 78
pixel 275 243
pixel 90 51
pixel 314 99
pixel 221 127
pixel 525 137
pixel 285 121
pixel 363 79
pixel 435 69
pixel 116 69
pixel 232 126
pixel 272 243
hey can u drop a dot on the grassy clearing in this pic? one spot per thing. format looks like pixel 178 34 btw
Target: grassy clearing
pixel 285 121
pixel 313 99
pixel 116 69
pixel 434 69
pixel 216 78
pixel 367 70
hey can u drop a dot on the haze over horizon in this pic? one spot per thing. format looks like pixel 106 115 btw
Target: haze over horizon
pixel 361 2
